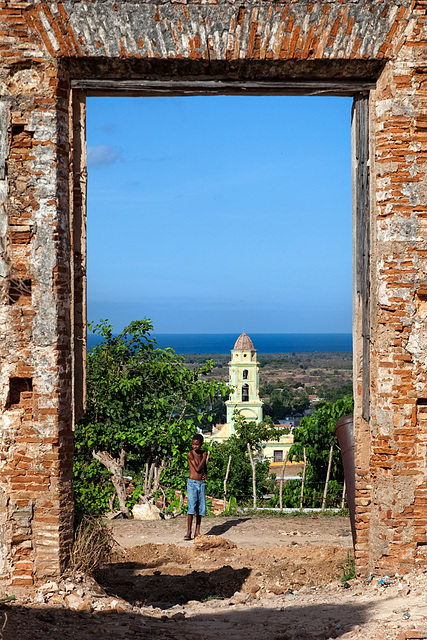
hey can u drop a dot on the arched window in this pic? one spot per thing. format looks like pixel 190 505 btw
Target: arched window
pixel 245 393
pixel 245 374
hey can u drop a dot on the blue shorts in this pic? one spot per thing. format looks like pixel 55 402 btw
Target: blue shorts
pixel 196 497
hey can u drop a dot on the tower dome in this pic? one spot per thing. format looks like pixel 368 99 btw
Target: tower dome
pixel 244 343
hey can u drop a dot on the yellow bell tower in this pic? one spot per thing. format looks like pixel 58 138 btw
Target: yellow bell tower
pixel 244 378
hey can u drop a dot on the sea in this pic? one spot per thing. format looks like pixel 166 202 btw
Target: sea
pixel 263 342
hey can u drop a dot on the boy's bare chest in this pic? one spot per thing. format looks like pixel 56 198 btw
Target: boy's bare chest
pixel 197 457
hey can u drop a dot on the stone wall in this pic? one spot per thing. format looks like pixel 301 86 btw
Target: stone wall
pixel 52 53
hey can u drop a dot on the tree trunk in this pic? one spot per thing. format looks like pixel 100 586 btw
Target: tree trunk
pixel 115 467
pixel 253 476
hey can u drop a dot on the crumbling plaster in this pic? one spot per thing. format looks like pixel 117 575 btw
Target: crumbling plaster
pixel 51 53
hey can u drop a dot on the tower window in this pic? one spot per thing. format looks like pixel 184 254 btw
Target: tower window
pixel 245 393
pixel 245 374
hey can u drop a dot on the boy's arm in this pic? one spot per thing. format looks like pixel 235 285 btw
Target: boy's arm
pixel 199 467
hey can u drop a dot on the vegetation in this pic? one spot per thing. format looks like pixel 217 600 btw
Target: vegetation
pixel 283 401
pixel 92 547
pixel 143 406
pixel 244 470
pixel 316 435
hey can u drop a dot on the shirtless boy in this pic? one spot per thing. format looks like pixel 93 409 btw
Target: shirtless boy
pixel 196 485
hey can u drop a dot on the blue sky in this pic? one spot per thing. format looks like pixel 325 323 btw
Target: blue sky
pixel 220 214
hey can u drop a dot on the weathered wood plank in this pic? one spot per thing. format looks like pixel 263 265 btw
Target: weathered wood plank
pixel 221 87
pixel 362 235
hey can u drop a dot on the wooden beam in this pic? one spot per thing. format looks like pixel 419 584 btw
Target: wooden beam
pixel 362 237
pixel 221 87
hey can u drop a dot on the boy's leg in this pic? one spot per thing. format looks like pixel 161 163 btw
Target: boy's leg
pixel 189 526
pixel 198 523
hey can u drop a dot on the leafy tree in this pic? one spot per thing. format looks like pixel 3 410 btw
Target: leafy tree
pixel 332 394
pixel 283 401
pixel 239 480
pixel 143 405
pixel 316 435
pixel 252 434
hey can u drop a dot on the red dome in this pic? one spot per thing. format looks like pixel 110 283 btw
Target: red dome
pixel 244 343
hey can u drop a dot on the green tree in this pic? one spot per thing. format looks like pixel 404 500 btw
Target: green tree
pixel 239 480
pixel 252 434
pixel 316 434
pixel 143 405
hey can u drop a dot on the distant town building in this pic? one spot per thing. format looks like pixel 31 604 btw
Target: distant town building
pixel 244 380
pixel 244 398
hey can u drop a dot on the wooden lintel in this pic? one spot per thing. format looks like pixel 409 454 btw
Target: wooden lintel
pixel 191 87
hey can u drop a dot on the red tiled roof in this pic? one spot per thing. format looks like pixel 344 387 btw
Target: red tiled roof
pixel 244 343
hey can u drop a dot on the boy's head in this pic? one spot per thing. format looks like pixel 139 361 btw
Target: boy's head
pixel 197 441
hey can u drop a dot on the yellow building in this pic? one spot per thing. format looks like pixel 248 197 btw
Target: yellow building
pixel 244 398
pixel 244 381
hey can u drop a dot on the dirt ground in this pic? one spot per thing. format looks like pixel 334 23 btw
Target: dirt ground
pixel 245 578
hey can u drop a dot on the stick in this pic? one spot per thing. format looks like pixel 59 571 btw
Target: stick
pixel 303 480
pixel 343 495
pixel 325 492
pixel 253 476
pixel 225 482
pixel 282 475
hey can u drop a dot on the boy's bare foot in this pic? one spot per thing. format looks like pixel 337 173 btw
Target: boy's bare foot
pixel 187 537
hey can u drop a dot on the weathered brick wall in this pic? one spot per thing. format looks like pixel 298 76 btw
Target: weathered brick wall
pixel 45 45
pixel 36 435
pixel 393 493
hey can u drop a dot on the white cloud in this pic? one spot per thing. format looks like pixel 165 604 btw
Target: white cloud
pixel 101 155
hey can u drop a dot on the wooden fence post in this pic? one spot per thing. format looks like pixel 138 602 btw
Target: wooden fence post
pixel 343 495
pixel 253 476
pixel 282 475
pixel 225 482
pixel 325 492
pixel 303 480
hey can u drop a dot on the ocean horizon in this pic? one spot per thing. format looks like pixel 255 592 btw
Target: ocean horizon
pixel 199 343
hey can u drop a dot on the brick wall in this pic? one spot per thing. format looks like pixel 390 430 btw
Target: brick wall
pixel 46 45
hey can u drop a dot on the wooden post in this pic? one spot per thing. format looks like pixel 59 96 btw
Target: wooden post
pixel 282 475
pixel 303 480
pixel 328 473
pixel 253 476
pixel 343 495
pixel 225 482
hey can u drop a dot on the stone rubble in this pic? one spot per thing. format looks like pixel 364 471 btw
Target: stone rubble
pixel 396 605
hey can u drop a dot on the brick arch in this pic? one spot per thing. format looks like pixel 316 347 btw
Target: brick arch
pixel 53 55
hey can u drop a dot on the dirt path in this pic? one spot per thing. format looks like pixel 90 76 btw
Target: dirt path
pixel 250 578
pixel 245 531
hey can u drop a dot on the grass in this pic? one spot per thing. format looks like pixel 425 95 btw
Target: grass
pixel 348 568
pixel 93 545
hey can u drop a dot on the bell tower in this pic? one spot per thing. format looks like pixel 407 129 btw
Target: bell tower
pixel 244 379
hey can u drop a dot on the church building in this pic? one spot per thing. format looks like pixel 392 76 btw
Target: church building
pixel 244 380
pixel 244 399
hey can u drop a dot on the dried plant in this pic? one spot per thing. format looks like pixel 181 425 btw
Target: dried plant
pixel 3 626
pixel 93 545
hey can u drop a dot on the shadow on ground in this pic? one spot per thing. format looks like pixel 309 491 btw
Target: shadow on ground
pixel 219 529
pixel 313 622
pixel 164 591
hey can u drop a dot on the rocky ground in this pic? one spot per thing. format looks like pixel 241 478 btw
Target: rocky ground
pixel 246 578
